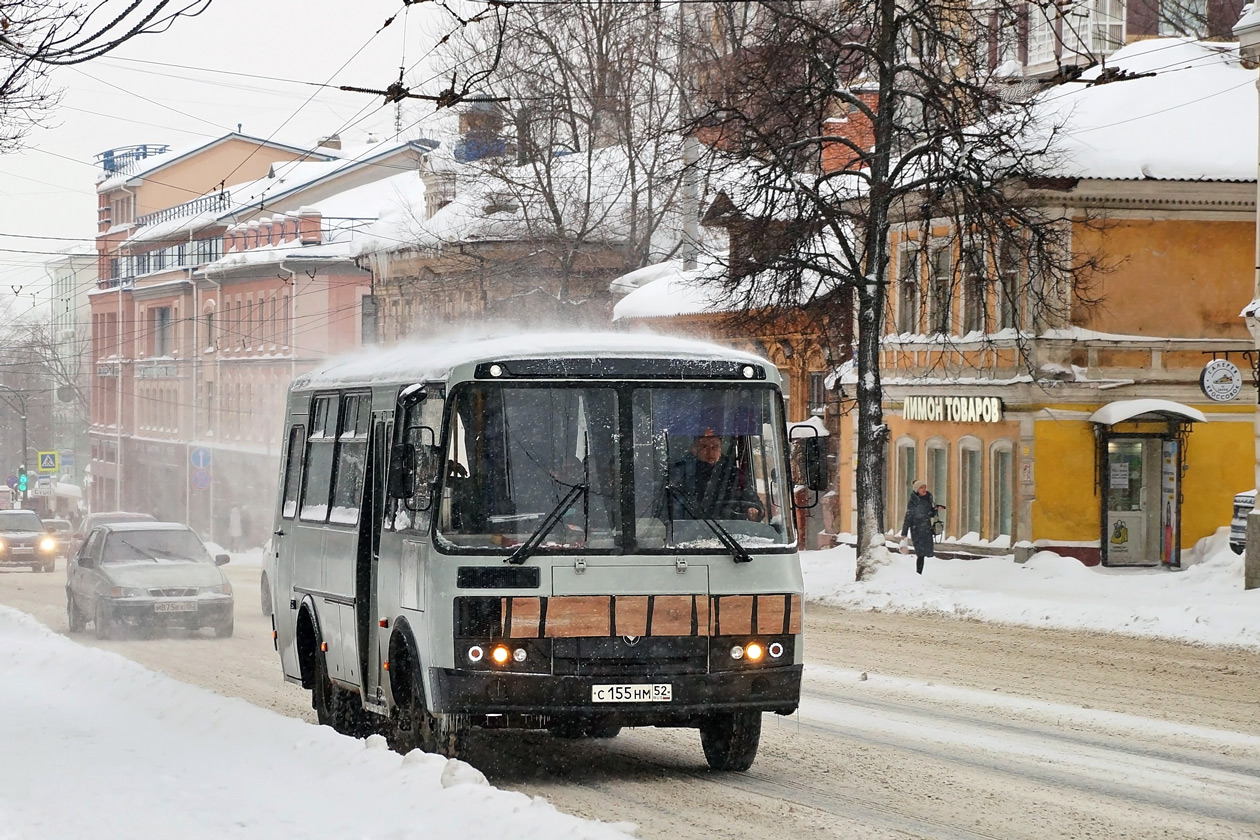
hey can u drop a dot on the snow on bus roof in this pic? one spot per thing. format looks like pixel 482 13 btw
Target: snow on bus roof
pixel 433 361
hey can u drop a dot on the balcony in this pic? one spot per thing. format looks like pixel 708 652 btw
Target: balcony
pixel 124 158
pixel 207 203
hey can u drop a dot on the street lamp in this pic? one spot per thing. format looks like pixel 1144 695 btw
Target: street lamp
pixel 7 393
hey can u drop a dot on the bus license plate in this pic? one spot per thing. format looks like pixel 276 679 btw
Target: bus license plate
pixel 181 606
pixel 639 693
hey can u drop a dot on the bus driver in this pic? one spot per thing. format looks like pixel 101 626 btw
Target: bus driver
pixel 713 483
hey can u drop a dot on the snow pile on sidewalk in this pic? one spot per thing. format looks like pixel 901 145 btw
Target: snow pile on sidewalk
pixel 97 746
pixel 1203 603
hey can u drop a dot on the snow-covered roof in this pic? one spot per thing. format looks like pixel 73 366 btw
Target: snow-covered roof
pixel 148 165
pixel 808 428
pixel 675 291
pixel 592 198
pixel 1194 118
pixel 1121 410
pixel 290 178
pixel 433 361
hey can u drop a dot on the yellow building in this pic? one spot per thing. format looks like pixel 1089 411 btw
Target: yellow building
pixel 1089 432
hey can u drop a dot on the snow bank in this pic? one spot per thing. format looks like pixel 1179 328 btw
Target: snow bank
pixel 98 746
pixel 1203 603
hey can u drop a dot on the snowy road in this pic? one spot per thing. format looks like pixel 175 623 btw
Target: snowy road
pixel 910 726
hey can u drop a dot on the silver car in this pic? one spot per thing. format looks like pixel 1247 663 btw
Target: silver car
pixel 147 575
pixel 24 541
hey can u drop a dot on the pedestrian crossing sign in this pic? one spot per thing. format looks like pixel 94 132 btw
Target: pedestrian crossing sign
pixel 48 462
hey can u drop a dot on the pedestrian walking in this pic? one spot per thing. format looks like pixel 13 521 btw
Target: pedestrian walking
pixel 920 510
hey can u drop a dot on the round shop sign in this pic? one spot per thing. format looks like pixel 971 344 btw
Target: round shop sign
pixel 1221 380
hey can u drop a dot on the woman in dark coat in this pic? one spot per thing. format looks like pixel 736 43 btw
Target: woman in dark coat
pixel 918 522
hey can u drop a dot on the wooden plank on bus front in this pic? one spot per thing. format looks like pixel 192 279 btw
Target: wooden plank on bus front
pixel 630 615
pixel 771 613
pixel 578 615
pixel 734 615
pixel 524 618
pixel 671 615
pixel 794 620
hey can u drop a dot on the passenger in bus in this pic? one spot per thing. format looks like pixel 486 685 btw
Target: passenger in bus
pixel 713 482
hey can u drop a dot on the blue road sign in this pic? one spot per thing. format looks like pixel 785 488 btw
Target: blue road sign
pixel 11 481
pixel 200 479
pixel 200 457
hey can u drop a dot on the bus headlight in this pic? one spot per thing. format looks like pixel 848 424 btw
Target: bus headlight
pixel 737 652
pixel 476 654
pixel 776 650
pixel 754 652
pixel 500 655
pixel 519 654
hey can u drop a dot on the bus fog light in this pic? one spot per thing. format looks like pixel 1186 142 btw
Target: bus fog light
pixel 519 654
pixel 476 654
pixel 737 652
pixel 776 650
pixel 754 651
pixel 500 655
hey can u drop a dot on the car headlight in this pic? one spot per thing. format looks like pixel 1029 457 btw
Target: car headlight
pixel 128 592
pixel 220 589
pixel 47 544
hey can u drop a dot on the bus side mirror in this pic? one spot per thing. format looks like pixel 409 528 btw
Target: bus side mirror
pixel 813 462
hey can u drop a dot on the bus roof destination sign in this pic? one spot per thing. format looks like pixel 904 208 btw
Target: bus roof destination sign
pixel 941 409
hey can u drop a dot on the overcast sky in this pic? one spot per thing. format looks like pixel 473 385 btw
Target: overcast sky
pixel 177 88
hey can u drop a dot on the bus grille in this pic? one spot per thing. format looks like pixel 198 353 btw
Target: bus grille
pixel 630 656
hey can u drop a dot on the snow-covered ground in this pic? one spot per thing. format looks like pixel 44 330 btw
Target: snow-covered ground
pixel 97 746
pixel 1203 603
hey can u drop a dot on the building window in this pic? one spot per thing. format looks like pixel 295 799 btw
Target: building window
pixel 817 392
pixel 907 469
pixel 1108 26
pixel 942 280
pixel 970 488
pixel 937 456
pixel 1009 308
pixel 161 326
pixel 908 285
pixel 1002 467
pixel 1041 35
pixel 975 298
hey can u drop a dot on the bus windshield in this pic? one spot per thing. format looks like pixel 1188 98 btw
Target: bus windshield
pixel 546 465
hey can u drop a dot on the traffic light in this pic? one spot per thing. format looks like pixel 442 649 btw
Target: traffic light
pixel 22 479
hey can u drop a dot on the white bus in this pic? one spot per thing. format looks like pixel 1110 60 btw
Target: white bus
pixel 575 532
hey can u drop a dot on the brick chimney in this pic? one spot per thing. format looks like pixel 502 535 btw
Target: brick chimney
pixel 852 125
pixel 310 222
pixel 251 234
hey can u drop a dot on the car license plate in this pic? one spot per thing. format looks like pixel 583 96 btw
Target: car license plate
pixel 177 606
pixel 637 693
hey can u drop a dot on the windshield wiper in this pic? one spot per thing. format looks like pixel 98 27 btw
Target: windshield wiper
pixel 530 545
pixel 144 553
pixel 741 554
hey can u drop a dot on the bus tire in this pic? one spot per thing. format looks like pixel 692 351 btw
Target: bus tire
pixel 730 739
pixel 335 706
pixel 416 728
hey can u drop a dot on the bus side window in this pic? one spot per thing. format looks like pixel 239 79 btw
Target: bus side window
pixel 317 475
pixel 292 471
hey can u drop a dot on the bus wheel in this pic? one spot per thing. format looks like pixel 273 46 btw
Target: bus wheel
pixel 730 739
pixel 335 706
pixel 417 728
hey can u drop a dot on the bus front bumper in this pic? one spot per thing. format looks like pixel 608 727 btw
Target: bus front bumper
pixel 692 696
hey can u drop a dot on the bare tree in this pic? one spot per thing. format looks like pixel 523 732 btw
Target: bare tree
pixel 841 127
pixel 577 147
pixel 37 35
